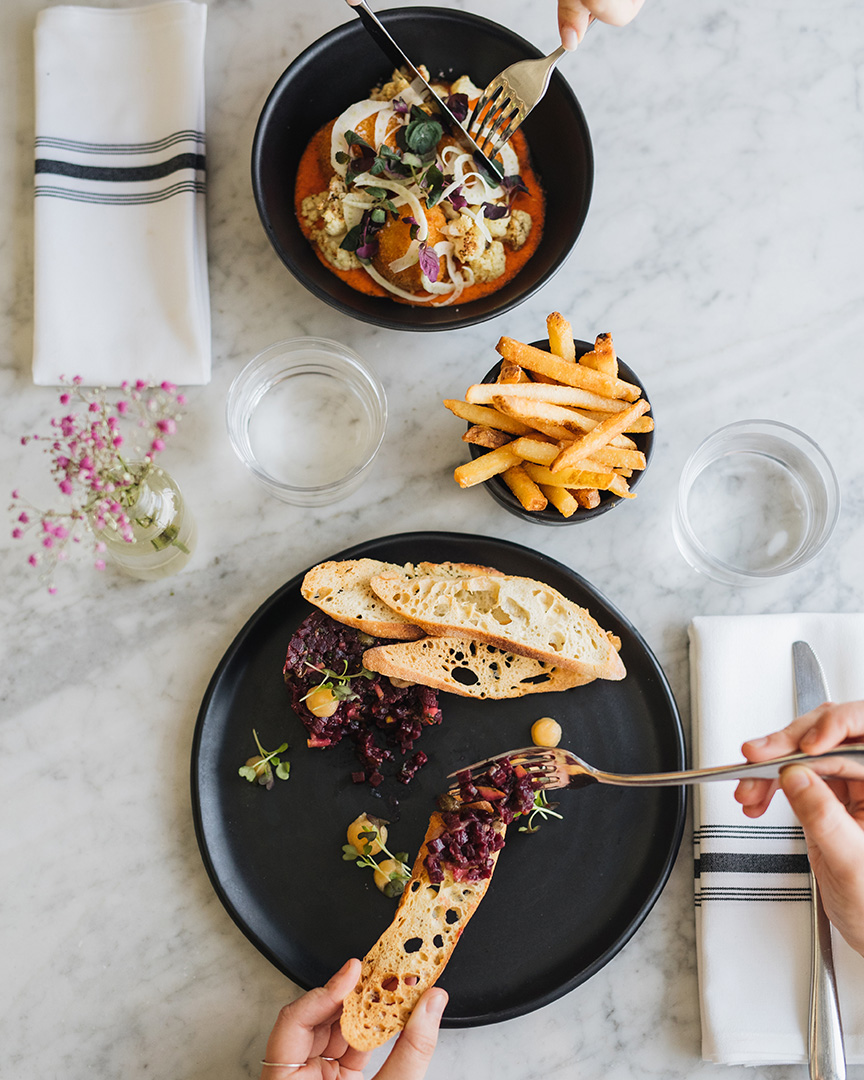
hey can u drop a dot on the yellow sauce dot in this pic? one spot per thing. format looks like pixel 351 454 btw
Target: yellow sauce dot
pixel 322 702
pixel 382 874
pixel 546 732
pixel 363 824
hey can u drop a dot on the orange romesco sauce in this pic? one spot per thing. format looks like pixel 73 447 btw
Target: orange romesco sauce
pixel 315 172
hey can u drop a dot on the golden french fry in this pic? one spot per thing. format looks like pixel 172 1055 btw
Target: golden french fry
pixel 477 414
pixel 640 425
pixel 483 393
pixel 587 498
pixel 511 373
pixel 556 421
pixel 483 467
pixel 534 449
pixel 480 435
pixel 622 459
pixel 524 488
pixel 619 486
pixel 569 478
pixel 564 372
pixel 602 358
pixel 600 436
pixel 561 499
pixel 560 335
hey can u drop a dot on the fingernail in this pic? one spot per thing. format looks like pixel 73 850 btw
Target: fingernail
pixel 808 737
pixel 794 779
pixel 569 38
pixel 435 1001
pixel 757 743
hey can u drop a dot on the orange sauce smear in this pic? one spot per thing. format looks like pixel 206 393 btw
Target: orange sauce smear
pixel 315 172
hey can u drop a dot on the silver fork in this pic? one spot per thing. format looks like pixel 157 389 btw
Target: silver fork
pixel 557 768
pixel 509 98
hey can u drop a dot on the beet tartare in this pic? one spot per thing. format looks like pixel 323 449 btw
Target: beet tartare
pixel 335 696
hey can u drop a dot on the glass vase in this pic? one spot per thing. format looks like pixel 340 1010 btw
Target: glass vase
pixel 163 530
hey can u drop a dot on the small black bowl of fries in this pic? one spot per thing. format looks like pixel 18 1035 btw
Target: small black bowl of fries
pixel 559 430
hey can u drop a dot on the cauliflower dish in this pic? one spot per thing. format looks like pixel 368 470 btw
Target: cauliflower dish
pixel 396 207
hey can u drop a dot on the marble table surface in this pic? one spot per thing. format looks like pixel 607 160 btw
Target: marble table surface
pixel 722 250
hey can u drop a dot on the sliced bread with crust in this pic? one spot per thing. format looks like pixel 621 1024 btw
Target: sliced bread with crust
pixel 341 590
pixel 469 668
pixel 517 613
pixel 412 952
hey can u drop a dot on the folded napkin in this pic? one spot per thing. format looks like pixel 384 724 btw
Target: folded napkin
pixel 120 259
pixel 752 885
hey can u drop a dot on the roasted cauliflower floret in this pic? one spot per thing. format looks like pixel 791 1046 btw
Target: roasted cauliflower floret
pixel 468 241
pixel 498 227
pixel 463 85
pixel 311 207
pixel 329 247
pixel 397 85
pixel 518 229
pixel 490 264
pixel 332 215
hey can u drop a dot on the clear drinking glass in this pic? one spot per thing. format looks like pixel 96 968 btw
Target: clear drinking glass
pixel 757 499
pixel 307 418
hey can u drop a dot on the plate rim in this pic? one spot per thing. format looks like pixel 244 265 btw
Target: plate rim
pixel 360 550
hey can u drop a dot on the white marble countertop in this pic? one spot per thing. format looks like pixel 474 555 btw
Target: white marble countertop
pixel 723 251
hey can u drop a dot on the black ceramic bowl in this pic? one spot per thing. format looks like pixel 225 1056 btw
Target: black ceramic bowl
pixel 550 516
pixel 342 67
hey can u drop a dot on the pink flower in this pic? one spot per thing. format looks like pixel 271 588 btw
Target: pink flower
pixel 93 407
pixel 48 542
pixel 64 399
pixel 122 407
pixel 168 387
pixel 100 546
pixel 61 532
pixel 157 445
pixel 181 399
pixel 140 384
pixel 99 564
pixel 66 487
pixel 15 494
pixel 167 426
pixel 24 517
pixel 33 560
pixel 52 589
pixel 17 534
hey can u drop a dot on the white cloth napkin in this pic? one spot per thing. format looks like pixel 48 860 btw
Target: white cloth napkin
pixel 752 885
pixel 120 259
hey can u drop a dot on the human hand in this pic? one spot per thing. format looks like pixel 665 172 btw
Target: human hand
pixel 307 1031
pixel 574 16
pixel 831 813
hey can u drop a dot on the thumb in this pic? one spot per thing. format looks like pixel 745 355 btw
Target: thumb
pixel 825 819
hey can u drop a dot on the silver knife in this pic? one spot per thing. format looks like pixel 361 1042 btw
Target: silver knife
pixel 419 85
pixel 825 1037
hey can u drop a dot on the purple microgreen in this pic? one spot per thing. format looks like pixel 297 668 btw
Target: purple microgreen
pixel 458 106
pixel 485 169
pixel 400 107
pixel 429 261
pixel 513 185
pixel 493 212
pixel 457 199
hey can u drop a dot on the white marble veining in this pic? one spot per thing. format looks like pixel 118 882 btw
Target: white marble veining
pixel 722 250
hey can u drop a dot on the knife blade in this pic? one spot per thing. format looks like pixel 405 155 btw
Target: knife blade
pixel 825 1035
pixel 419 85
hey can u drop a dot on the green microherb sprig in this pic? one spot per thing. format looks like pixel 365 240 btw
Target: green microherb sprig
pixel 338 684
pixel 262 768
pixel 399 877
pixel 543 810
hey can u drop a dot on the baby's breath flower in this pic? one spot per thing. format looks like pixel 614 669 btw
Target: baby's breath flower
pixel 99 483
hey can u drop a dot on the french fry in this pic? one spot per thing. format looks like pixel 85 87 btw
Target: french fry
pixel 569 478
pixel 511 373
pixel 562 499
pixel 487 465
pixel 480 435
pixel 562 371
pixel 477 414
pixel 524 488
pixel 619 486
pixel 603 357
pixel 639 426
pixel 560 335
pixel 482 394
pixel 623 459
pixel 535 450
pixel 584 447
pixel 556 421
pixel 587 498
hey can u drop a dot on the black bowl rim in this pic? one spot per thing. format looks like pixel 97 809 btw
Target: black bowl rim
pixel 505 497
pixel 388 321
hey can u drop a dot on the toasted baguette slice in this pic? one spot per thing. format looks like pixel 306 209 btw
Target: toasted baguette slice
pixel 515 613
pixel 472 669
pixel 341 589
pixel 393 979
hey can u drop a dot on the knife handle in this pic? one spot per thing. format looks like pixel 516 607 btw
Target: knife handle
pixel 827 1057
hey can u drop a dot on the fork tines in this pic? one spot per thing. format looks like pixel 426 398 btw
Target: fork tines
pixel 490 123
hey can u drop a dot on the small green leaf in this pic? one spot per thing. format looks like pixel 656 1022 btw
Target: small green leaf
pixel 283 770
pixel 342 157
pixel 248 773
pixel 401 856
pixel 349 852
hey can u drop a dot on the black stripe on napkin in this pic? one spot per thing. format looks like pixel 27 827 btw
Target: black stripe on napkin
pixel 187 135
pixel 729 862
pixel 757 895
pixel 109 199
pixel 119 174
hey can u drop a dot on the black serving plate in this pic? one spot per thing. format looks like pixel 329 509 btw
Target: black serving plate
pixel 550 516
pixel 341 68
pixel 563 901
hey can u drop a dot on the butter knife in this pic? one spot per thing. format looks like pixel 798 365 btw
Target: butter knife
pixel 419 85
pixel 825 1036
